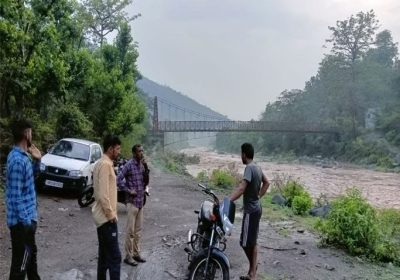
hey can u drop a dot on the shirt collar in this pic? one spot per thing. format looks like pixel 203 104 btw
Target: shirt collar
pixel 106 158
pixel 19 150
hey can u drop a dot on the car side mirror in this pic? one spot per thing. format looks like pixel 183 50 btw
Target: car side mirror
pixel 92 160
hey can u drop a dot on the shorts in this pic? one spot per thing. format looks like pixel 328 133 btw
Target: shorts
pixel 250 228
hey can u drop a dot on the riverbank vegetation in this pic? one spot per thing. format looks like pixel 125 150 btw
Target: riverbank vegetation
pixel 348 222
pixel 356 91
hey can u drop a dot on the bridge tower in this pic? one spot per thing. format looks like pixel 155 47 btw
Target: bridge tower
pixel 157 135
pixel 155 115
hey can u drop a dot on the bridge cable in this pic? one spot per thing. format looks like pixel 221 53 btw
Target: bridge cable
pixel 187 110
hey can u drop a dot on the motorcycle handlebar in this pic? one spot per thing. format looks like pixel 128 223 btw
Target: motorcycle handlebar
pixel 209 192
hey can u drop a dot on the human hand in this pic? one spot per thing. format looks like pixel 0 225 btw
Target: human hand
pixel 133 192
pixel 36 154
pixel 114 220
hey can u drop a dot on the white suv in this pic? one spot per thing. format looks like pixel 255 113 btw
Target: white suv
pixel 69 164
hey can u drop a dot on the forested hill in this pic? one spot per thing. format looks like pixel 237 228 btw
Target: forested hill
pixel 356 89
pixel 175 97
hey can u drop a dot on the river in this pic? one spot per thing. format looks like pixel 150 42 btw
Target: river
pixel 381 189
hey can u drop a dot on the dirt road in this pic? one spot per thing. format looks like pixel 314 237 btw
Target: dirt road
pixel 67 240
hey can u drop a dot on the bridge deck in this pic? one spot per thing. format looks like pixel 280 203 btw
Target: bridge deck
pixel 231 126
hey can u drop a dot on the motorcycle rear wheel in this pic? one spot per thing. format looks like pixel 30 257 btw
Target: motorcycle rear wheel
pixel 196 273
pixel 86 198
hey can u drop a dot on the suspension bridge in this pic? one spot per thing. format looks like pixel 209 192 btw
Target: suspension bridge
pixel 171 118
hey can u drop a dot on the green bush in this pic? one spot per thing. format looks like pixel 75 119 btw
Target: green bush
pixel 386 162
pixel 390 135
pixel 302 203
pixel 202 176
pixel 290 190
pixel 71 122
pixel 172 161
pixel 351 223
pixel 220 178
pixel 388 245
pixel 43 132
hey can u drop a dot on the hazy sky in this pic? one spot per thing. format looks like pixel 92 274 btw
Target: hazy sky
pixel 236 56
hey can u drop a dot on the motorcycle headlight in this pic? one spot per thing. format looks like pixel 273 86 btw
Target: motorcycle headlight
pixel 75 173
pixel 42 167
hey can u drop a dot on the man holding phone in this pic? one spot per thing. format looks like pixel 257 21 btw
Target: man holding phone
pixel 21 201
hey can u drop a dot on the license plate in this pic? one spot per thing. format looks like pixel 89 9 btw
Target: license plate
pixel 53 184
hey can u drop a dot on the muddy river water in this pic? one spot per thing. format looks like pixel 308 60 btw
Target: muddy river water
pixel 381 189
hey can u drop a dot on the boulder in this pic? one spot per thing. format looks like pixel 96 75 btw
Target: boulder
pixel 320 211
pixel 278 199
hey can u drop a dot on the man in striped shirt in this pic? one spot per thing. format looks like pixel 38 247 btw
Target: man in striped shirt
pixel 21 202
pixel 131 180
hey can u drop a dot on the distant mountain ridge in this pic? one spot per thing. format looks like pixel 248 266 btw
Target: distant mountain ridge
pixel 165 92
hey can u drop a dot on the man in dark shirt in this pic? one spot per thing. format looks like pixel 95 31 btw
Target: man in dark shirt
pixel 252 192
pixel 21 202
pixel 131 179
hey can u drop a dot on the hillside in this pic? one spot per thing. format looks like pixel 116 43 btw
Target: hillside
pixel 175 97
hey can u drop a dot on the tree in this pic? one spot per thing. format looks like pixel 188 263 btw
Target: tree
pixel 26 29
pixel 386 50
pixel 102 17
pixel 351 38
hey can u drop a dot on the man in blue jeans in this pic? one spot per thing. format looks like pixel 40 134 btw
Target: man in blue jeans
pixel 21 202
pixel 105 210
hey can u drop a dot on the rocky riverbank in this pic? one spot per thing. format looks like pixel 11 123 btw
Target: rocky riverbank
pixel 319 176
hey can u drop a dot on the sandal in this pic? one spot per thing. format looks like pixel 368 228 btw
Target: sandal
pixel 130 261
pixel 246 277
pixel 139 259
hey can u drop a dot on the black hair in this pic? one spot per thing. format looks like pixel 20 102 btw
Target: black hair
pixel 248 150
pixel 110 141
pixel 18 129
pixel 135 147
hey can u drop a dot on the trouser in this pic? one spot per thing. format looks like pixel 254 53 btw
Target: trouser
pixel 24 252
pixel 250 228
pixel 133 230
pixel 109 252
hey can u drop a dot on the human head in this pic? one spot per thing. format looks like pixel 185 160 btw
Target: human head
pixel 138 152
pixel 112 146
pixel 247 152
pixel 22 132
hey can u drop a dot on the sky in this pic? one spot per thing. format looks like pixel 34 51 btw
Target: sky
pixel 235 56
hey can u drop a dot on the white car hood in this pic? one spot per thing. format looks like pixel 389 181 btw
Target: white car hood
pixel 63 162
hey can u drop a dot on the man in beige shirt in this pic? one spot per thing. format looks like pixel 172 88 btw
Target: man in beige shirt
pixel 105 210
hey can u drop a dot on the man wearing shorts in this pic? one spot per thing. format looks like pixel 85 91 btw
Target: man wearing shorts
pixel 252 192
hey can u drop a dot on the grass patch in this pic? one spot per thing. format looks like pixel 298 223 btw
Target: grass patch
pixel 276 213
pixel 264 276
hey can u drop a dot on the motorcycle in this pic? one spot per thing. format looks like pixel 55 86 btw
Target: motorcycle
pixel 207 245
pixel 86 197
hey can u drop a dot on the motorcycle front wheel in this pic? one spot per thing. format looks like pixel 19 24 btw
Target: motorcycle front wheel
pixel 86 198
pixel 217 269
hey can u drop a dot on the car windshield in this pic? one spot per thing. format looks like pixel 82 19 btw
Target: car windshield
pixel 71 149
